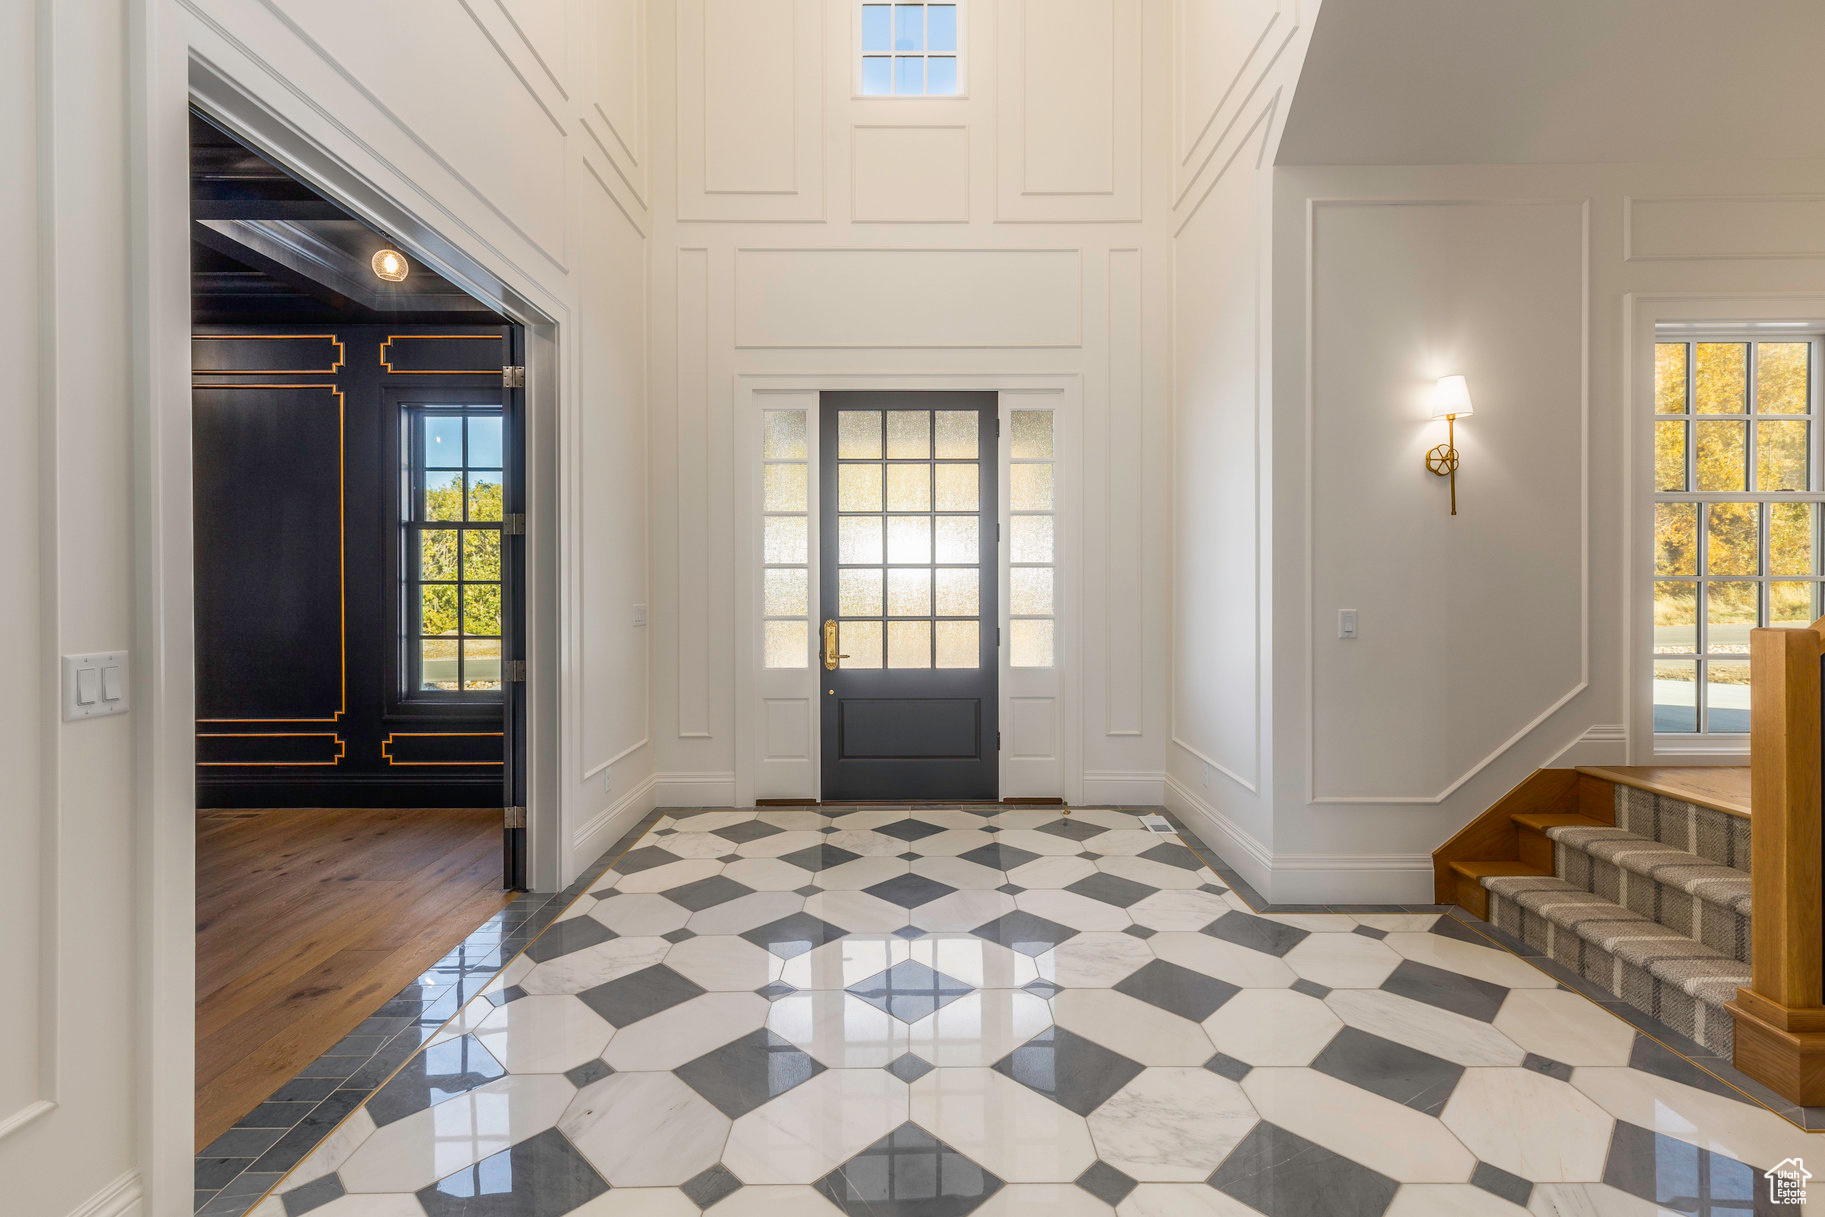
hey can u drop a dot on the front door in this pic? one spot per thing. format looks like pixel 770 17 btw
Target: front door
pixel 908 573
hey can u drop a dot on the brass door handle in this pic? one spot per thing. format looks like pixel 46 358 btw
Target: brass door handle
pixel 830 652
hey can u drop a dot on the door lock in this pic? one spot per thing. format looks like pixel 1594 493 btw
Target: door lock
pixel 830 653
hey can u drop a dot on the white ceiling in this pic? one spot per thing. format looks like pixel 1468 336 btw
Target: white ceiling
pixel 1538 81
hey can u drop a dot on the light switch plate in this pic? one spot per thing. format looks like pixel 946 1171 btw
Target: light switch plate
pixel 1346 623
pixel 88 679
pixel 640 614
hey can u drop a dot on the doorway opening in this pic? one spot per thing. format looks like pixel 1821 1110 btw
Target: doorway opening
pixel 358 510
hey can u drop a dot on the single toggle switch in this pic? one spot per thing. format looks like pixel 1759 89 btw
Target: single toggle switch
pixel 112 687
pixel 88 686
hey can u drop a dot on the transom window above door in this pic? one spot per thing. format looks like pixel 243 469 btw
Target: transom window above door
pixel 910 50
pixel 451 534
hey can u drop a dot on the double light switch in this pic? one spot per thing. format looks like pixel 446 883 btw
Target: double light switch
pixel 94 685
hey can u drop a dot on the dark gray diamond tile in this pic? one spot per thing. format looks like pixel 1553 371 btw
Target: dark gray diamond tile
pixel 1024 932
pixel 1256 933
pixel 1495 1180
pixel 819 857
pixel 645 858
pixel 1452 991
pixel 776 990
pixel 707 893
pixel 910 891
pixel 628 999
pixel 1076 1073
pixel 1043 988
pixel 1072 830
pixel 909 932
pixel 567 936
pixel 706 1188
pixel 1547 1066
pixel 794 934
pixel 909 990
pixel 1209 888
pixel 1112 889
pixel 1141 931
pixel 1684 1178
pixel 1228 1066
pixel 747 830
pixel 810 889
pixel 1011 889
pixel 1394 1071
pixel 501 997
pixel 909 830
pixel 588 1073
pixel 679 935
pixel 1451 927
pixel 315 1194
pixel 727 858
pixel 1369 931
pixel 1282 1174
pixel 908 1173
pixel 998 856
pixel 1173 855
pixel 1177 990
pixel 543 1176
pixel 1089 855
pixel 1106 1183
pixel 909 1067
pixel 909 856
pixel 440 1072
pixel 744 1073
pixel 1310 988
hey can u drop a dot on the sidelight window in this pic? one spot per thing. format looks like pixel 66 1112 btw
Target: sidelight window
pixel 451 521
pixel 1032 557
pixel 910 50
pixel 785 540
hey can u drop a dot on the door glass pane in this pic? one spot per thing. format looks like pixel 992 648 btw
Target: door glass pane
pixel 909 593
pixel 954 435
pixel 957 488
pixel 1790 538
pixel 1792 603
pixel 858 488
pixel 1722 457
pixel 1731 541
pixel 858 435
pixel 1030 644
pixel 957 538
pixel 783 539
pixel 876 27
pixel 1030 487
pixel 786 643
pixel 438 664
pixel 485 442
pixel 959 592
pixel 941 27
pixel 959 644
pixel 909 488
pixel 481 608
pixel 1670 378
pixel 784 488
pixel 861 642
pixel 1669 455
pixel 1722 379
pixel 908 74
pixel 1727 695
pixel 1030 539
pixel 437 553
pixel 1676 617
pixel 877 75
pixel 1032 435
pixel 941 75
pixel 1030 590
pixel 1781 374
pixel 1731 609
pixel 909 644
pixel 481 553
pixel 1675 695
pixel 783 435
pixel 909 27
pixel 858 592
pixel 1780 456
pixel 485 494
pixel 858 540
pixel 443 496
pixel 443 442
pixel 481 663
pixel 909 539
pixel 1676 538
pixel 909 435
pixel 786 592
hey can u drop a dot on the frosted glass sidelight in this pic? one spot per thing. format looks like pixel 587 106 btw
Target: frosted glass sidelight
pixel 1030 539
pixel 954 435
pixel 858 540
pixel 1032 435
pixel 782 435
pixel 909 487
pixel 784 488
pixel 1030 487
pixel 959 592
pixel 1030 591
pixel 957 487
pixel 1030 644
pixel 909 592
pixel 787 644
pixel 909 540
pixel 909 644
pixel 909 435
pixel 858 488
pixel 858 435
pixel 957 538
pixel 787 592
pixel 959 644
pixel 861 642
pixel 783 540
pixel 858 592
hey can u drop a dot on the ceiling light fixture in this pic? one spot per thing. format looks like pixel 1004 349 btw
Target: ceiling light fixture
pixel 391 265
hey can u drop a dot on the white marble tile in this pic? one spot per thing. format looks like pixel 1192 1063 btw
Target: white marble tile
pixel 839 964
pixel 425 1146
pixel 1698 1117
pixel 951 842
pixel 1394 923
pixel 1449 1200
pixel 1104 817
pixel 974 961
pixel 1382 1135
pixel 779 844
pixel 1014 1132
pixel 686 1031
pixel 1094 960
pixel 374 1205
pixel 1489 963
pixel 472 1015
pixel 745 912
pixel 1052 872
pixel 696 845
pixel 724 962
pixel 1171 1125
pixel 1043 1200
pixel 815 1127
pixel 272 1206
pixel 1138 1031
pixel 1026 819
pixel 671 875
pixel 1317 923
pixel 857 911
pixel 1224 960
pixel 1530 1125
pixel 766 874
pixel 1181 1200
pixel 839 1029
pixel 1178 910
pixel 638 1202
pixel 640 914
pixel 708 821
pixel 1069 908
pixel 595 965
pixel 679 1133
pixel 801 820
pixel 958 873
pixel 860 873
pixel 981 1028
pixel 1566 1027
pixel 867 842
pixel 1590 1200
pixel 853 820
pixel 1454 1037
pixel 962 910
pixel 1122 841
pixel 774 1201
pixel 578 908
pixel 543 1034
pixel 332 1151
pixel 951 820
pixel 1146 870
pixel 1342 961
pixel 1037 842
pixel 1272 1027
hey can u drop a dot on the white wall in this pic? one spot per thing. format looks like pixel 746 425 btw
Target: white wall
pixel 804 234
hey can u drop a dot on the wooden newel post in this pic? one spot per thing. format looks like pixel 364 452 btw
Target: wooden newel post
pixel 1780 1018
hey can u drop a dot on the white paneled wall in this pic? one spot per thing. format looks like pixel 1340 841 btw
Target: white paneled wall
pixel 808 238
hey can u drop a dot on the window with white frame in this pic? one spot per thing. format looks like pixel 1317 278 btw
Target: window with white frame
pixel 785 540
pixel 1032 540
pixel 910 50
pixel 1736 517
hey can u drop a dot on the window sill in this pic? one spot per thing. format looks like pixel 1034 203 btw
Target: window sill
pixel 1717 749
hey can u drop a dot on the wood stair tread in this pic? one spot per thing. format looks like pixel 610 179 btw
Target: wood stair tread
pixel 1540 821
pixel 1495 868
pixel 1719 787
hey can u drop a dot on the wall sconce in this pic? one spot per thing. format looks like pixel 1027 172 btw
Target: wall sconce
pixel 1450 399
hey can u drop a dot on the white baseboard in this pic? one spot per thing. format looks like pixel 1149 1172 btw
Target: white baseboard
pixel 1125 789
pixel 1602 744
pixel 610 825
pixel 125 1197
pixel 694 789
pixel 1235 846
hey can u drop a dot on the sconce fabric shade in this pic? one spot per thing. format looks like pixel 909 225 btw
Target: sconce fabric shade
pixel 1452 397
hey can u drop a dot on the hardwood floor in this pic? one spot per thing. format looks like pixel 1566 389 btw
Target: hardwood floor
pixel 309 919
pixel 1725 788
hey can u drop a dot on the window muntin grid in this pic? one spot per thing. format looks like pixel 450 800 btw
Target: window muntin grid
pixel 1736 518
pixel 910 50
pixel 785 539
pixel 1032 540
pixel 452 536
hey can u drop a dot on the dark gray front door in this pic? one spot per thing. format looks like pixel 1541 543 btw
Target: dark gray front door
pixel 909 659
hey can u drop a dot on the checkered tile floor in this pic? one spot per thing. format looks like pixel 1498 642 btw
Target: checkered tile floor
pixel 927 1013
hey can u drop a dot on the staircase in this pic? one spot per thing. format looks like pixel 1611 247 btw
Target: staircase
pixel 1636 880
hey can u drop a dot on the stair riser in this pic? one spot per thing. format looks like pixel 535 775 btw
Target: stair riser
pixel 1709 833
pixel 1717 927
